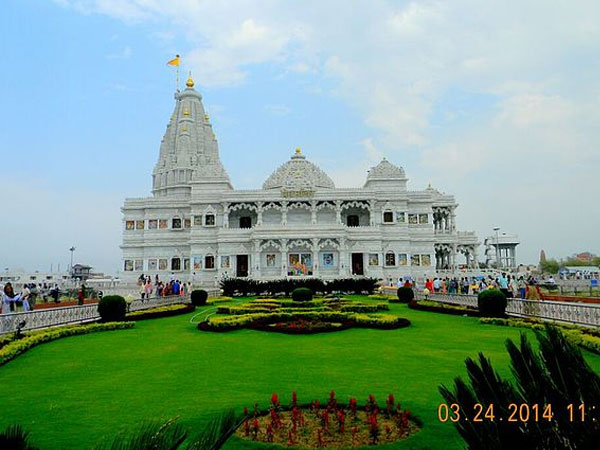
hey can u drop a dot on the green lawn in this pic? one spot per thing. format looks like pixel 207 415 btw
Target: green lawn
pixel 75 392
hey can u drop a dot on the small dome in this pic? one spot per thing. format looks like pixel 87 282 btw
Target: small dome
pixel 298 174
pixel 385 170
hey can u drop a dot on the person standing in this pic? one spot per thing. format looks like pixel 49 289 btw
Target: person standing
pixel 521 287
pixel 80 295
pixel 148 288
pixel 9 299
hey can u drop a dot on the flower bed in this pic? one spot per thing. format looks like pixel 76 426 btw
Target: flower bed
pixel 261 321
pixel 438 307
pixel 161 311
pixel 15 347
pixel 328 425
pixel 314 316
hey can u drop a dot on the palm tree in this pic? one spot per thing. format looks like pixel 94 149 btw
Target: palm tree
pixel 15 438
pixel 556 375
pixel 169 435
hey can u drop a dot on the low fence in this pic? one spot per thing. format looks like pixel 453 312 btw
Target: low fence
pixel 52 317
pixel 568 312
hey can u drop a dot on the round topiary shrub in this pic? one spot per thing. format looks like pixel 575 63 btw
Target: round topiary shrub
pixel 302 294
pixel 405 294
pixel 112 308
pixel 199 297
pixel 491 303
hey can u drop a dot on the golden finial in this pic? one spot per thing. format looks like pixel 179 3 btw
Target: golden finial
pixel 190 81
pixel 298 151
pixel 206 117
pixel 186 112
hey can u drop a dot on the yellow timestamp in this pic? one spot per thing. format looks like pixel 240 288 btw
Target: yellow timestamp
pixel 514 412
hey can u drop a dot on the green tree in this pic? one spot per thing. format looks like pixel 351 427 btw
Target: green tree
pixel 549 266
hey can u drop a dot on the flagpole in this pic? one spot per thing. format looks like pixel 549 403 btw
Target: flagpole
pixel 177 79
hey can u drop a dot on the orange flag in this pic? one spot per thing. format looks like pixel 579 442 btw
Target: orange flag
pixel 174 62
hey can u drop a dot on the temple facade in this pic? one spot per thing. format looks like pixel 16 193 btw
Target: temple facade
pixel 197 227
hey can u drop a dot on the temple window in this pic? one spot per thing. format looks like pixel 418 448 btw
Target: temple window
pixel 209 220
pixel 352 221
pixel 209 262
pixel 423 218
pixel 175 263
pixel 390 259
pixel 245 222
pixel 176 223
pixel 388 217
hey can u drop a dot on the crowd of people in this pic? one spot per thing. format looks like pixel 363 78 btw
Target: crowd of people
pixel 159 288
pixel 510 285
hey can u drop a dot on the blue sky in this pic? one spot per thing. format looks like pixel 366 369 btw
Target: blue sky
pixel 494 103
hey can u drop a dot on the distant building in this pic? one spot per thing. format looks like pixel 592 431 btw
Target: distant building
pixel 542 256
pixel 501 250
pixel 81 271
pixel 586 257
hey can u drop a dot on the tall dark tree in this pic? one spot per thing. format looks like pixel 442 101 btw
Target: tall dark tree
pixel 555 375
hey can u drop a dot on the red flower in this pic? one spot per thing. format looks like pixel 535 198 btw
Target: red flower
pixel 275 399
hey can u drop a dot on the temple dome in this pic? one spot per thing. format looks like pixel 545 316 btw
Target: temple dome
pixel 298 174
pixel 385 173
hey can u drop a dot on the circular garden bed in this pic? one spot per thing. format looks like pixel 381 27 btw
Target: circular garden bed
pixel 315 316
pixel 328 425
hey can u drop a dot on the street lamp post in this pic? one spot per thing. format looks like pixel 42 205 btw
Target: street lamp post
pixel 498 262
pixel 72 250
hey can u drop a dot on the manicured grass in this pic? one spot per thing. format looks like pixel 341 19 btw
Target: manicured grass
pixel 77 391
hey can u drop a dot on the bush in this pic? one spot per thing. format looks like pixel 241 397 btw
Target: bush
pixel 302 294
pixel 405 294
pixel 199 297
pixel 491 303
pixel 112 308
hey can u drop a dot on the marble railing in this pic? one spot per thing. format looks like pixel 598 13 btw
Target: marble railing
pixel 569 312
pixel 51 317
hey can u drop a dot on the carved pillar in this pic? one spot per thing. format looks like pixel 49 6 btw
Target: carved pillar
pixel 343 266
pixel 259 213
pixel 284 257
pixel 315 256
pixel 225 214
pixel 313 212
pixel 338 212
pixel 256 258
pixel 284 211
pixel 372 212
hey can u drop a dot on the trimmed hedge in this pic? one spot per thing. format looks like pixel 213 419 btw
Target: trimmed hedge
pixel 491 303
pixel 302 294
pixel 112 308
pixel 34 338
pixel 245 287
pixel 161 311
pixel 405 294
pixel 199 297
pixel 586 338
pixel 443 308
